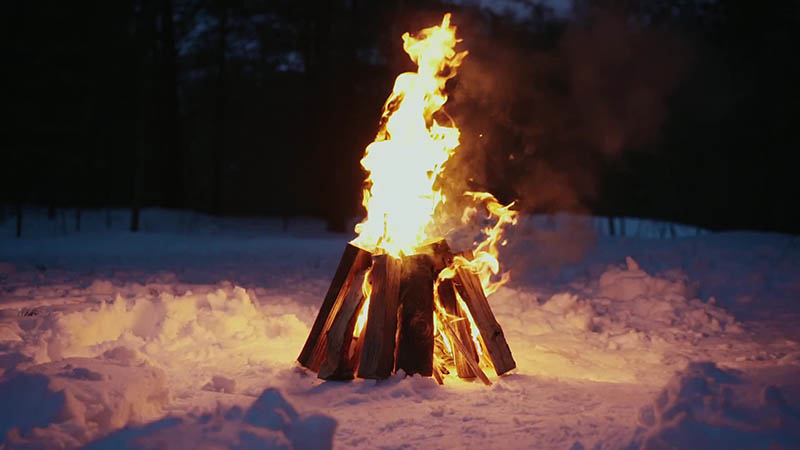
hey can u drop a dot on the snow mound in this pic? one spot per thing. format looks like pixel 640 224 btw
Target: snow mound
pixel 622 326
pixel 69 402
pixel 627 298
pixel 270 423
pixel 224 328
pixel 709 407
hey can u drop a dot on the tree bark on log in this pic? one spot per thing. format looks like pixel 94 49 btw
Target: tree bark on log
pixel 439 253
pixel 337 364
pixel 415 342
pixel 471 291
pixel 473 364
pixel 447 297
pixel 354 260
pixel 377 355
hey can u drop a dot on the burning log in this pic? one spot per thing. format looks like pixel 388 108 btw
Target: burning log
pixel 337 364
pixel 472 363
pixel 380 334
pixel 396 310
pixel 415 340
pixel 394 299
pixel 447 297
pixel 439 254
pixel 471 291
pixel 354 260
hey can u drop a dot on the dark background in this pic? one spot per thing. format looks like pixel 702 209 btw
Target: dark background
pixel 682 110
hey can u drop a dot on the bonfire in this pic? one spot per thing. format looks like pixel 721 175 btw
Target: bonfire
pixel 401 299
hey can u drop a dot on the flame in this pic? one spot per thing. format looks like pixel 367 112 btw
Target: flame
pixel 403 164
pixel 484 263
pixel 411 148
pixel 361 320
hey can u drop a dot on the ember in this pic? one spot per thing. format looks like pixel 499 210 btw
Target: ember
pixel 400 299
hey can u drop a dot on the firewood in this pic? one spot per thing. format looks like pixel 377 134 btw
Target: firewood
pixel 357 344
pixel 469 286
pixel 380 334
pixel 439 253
pixel 415 341
pixel 437 375
pixel 337 364
pixel 473 363
pixel 447 297
pixel 353 260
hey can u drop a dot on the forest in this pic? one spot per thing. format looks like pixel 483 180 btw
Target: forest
pixel 679 110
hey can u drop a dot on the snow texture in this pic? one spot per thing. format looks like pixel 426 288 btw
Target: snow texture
pixel 185 336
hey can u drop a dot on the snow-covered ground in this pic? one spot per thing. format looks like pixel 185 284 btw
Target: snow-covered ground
pixel 184 336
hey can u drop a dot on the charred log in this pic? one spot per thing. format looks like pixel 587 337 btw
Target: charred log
pixel 337 364
pixel 469 287
pixel 415 339
pixel 380 334
pixel 460 326
pixel 353 261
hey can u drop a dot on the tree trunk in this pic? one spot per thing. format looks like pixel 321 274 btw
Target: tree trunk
pixel 145 27
pixel 219 113
pixel 138 177
pixel 135 219
pixel 19 219
pixel 170 132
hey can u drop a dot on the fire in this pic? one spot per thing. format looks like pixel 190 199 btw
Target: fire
pixel 403 164
pixel 411 148
pixel 361 320
pixel 485 262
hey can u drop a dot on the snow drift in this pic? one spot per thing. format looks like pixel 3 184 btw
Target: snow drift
pixel 187 334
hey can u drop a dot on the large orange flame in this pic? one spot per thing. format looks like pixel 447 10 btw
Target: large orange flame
pixel 485 261
pixel 404 162
pixel 411 148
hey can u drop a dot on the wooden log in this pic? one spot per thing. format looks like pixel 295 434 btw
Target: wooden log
pixel 438 375
pixel 469 286
pixel 337 364
pixel 356 346
pixel 353 260
pixel 461 328
pixel 380 334
pixel 473 363
pixel 439 253
pixel 415 339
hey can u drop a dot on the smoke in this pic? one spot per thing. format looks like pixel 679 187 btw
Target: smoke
pixel 619 79
pixel 544 108
pixel 539 120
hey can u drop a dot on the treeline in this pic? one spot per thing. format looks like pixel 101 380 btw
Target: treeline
pixel 673 109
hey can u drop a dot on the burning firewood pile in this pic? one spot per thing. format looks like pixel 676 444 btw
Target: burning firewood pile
pixel 400 299
pixel 382 314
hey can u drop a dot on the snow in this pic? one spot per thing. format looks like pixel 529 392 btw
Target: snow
pixel 185 335
pixel 705 406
